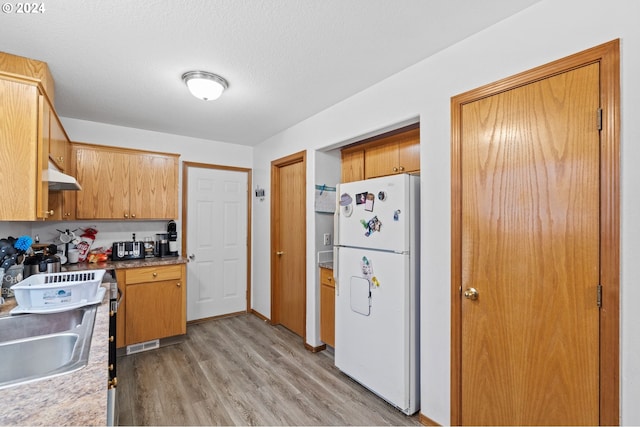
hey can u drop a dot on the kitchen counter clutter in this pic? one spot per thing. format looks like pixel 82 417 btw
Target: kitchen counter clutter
pixel 122 265
pixel 76 398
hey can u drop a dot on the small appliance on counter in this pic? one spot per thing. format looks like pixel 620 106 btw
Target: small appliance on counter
pixel 44 260
pixel 162 245
pixel 172 236
pixel 167 243
pixel 121 251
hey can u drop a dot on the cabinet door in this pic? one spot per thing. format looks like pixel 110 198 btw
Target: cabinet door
pixel 63 205
pixel 409 152
pixel 59 148
pixel 104 177
pixel 327 307
pixel 154 183
pixel 153 311
pixel 42 156
pixel 380 160
pixel 352 165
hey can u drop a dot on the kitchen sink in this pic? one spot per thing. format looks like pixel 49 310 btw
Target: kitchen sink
pixel 31 325
pixel 39 346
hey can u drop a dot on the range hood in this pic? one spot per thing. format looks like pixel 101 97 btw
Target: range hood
pixel 59 181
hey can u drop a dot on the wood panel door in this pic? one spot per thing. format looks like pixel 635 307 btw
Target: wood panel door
pixel 530 253
pixel 288 266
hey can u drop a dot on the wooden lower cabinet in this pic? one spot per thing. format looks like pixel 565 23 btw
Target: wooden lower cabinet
pixel 154 303
pixel 327 306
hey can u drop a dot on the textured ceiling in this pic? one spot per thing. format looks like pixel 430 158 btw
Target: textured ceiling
pixel 120 61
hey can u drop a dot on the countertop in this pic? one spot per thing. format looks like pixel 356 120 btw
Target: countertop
pixel 118 265
pixel 76 398
pixel 80 397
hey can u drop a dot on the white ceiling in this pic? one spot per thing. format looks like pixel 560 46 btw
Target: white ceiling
pixel 120 61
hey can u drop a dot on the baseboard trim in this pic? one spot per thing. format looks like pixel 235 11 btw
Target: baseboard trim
pixel 313 349
pixel 426 421
pixel 260 315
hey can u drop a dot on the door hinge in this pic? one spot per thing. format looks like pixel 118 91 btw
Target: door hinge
pixel 599 296
pixel 599 118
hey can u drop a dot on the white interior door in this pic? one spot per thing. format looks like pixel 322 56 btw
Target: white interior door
pixel 216 242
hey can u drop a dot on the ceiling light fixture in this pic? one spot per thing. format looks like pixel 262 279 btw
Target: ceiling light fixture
pixel 204 85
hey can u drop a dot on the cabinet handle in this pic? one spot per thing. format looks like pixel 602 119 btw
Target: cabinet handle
pixel 126 215
pixel 178 284
pixel 395 169
pixel 401 168
pixel 49 213
pixel 329 279
pixel 154 274
pixel 133 215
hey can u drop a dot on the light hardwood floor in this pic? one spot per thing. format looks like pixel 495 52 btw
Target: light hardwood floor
pixel 242 371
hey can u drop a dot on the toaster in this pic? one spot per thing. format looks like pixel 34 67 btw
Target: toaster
pixel 127 250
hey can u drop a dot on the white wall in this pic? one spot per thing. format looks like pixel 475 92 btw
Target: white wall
pixel 190 149
pixel 327 172
pixel 547 31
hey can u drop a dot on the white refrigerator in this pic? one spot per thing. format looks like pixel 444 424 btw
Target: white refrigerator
pixel 376 268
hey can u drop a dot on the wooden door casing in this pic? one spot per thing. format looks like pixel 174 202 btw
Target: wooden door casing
pixel 605 58
pixel 288 243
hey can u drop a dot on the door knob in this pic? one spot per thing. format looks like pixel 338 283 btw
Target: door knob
pixel 192 257
pixel 471 293
pixel 279 253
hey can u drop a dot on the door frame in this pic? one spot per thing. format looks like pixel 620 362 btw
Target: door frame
pixel 275 233
pixel 185 187
pixel 608 56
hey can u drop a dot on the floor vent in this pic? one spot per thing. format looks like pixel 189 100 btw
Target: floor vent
pixel 143 346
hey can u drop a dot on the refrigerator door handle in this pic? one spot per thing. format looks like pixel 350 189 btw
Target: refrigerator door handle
pixel 336 266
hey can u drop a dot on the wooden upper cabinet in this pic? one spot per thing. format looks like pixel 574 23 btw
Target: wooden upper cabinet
pixel 154 190
pixel 31 135
pixel 125 184
pixel 23 155
pixel 388 154
pixel 59 147
pixel 352 165
pixel 104 177
pixel 399 153
pixel 30 68
pixel 409 153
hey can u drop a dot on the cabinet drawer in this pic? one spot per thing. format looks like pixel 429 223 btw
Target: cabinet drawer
pixel 153 274
pixel 326 277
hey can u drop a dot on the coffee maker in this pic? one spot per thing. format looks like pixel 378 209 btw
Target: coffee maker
pixel 172 237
